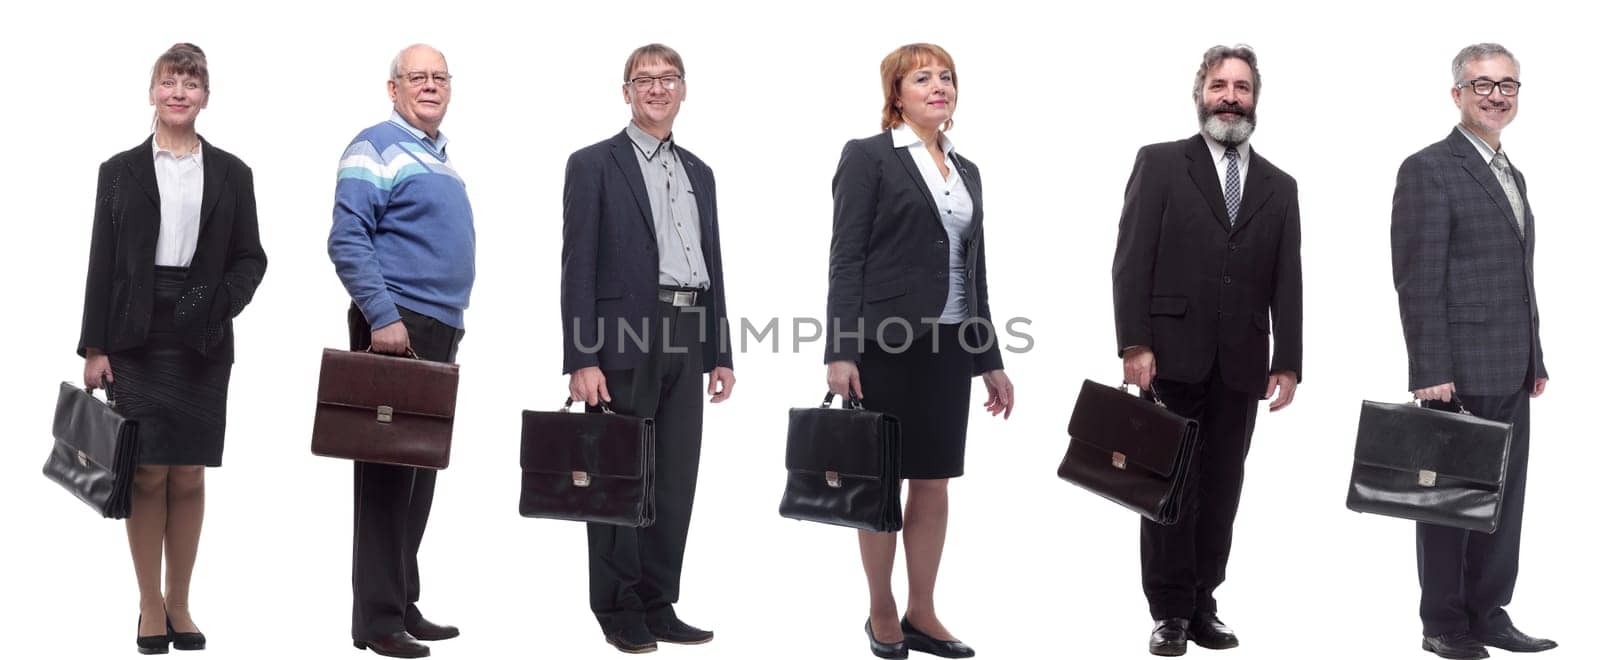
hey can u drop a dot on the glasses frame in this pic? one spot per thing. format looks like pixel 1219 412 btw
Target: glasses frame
pixel 1514 85
pixel 645 83
pixel 439 78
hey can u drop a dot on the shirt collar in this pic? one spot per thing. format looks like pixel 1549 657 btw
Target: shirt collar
pixel 646 143
pixel 1483 147
pixel 438 144
pixel 1218 151
pixel 156 151
pixel 904 137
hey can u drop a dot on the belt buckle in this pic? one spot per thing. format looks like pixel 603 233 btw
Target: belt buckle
pixel 682 298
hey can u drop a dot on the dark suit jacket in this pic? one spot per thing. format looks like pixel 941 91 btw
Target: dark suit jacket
pixel 1464 275
pixel 889 258
pixel 227 266
pixel 1197 291
pixel 610 271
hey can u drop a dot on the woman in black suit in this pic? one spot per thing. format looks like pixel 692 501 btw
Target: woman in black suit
pixel 174 257
pixel 907 249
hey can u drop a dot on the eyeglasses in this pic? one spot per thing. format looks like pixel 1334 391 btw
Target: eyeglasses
pixel 420 78
pixel 668 82
pixel 1485 86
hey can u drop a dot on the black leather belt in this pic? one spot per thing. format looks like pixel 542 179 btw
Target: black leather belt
pixel 680 297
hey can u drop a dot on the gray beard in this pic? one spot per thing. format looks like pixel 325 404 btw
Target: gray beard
pixel 1230 134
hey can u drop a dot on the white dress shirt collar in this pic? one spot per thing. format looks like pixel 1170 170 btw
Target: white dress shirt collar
pixel 438 144
pixel 1218 151
pixel 904 137
pixel 1483 147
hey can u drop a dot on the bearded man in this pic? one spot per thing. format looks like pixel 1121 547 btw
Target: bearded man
pixel 1207 270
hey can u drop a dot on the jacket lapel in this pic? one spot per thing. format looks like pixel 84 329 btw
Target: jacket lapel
pixel 915 176
pixel 1256 190
pixel 702 201
pixel 1472 162
pixel 1204 175
pixel 622 153
pixel 212 180
pixel 974 188
pixel 143 168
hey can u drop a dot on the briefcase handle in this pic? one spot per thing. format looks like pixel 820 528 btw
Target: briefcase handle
pixel 410 353
pixel 111 399
pixel 603 407
pixel 1460 408
pixel 1148 395
pixel 851 403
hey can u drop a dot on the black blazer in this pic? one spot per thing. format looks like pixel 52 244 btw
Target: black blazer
pixel 227 266
pixel 889 257
pixel 610 271
pixel 1197 291
pixel 1464 275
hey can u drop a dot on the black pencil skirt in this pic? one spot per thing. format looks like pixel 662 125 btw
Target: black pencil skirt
pixel 178 397
pixel 930 391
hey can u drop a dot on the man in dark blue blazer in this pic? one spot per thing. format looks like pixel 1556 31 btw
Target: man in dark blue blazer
pixel 1462 240
pixel 642 316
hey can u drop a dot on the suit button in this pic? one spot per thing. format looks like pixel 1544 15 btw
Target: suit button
pixel 1226 279
pixel 940 242
pixel 1233 247
pixel 1524 299
pixel 939 275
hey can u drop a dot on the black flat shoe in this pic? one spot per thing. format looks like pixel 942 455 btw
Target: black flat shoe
pixel 1456 646
pixel 675 631
pixel 882 650
pixel 632 638
pixel 1515 641
pixel 186 641
pixel 394 645
pixel 1170 638
pixel 1209 632
pixel 152 644
pixel 428 631
pixel 921 642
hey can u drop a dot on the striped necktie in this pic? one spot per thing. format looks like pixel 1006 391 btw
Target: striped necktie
pixel 1231 194
pixel 1502 171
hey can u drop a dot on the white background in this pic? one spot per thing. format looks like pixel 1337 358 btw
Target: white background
pixel 1054 103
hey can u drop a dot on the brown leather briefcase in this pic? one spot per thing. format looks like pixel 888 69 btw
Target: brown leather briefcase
pixel 385 409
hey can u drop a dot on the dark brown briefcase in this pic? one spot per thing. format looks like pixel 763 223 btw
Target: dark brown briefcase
pixel 596 468
pixel 385 409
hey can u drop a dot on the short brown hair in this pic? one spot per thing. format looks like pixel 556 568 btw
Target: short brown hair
pixel 650 52
pixel 182 58
pixel 894 69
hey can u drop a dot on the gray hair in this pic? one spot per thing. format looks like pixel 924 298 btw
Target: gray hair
pixel 400 57
pixel 1216 55
pixel 1475 52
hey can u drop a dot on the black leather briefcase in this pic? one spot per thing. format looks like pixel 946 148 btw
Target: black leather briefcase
pixel 844 467
pixel 1433 466
pixel 591 467
pixel 95 451
pixel 1130 450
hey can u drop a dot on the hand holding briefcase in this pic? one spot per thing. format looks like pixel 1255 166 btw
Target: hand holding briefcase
pixel 1432 466
pixel 844 467
pixel 589 467
pixel 385 409
pixel 1130 450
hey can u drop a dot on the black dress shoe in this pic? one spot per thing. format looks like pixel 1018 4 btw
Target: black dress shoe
pixel 1170 637
pixel 674 631
pixel 150 644
pixel 428 631
pixel 633 638
pixel 186 641
pixel 1209 632
pixel 394 645
pixel 886 650
pixel 921 642
pixel 1516 641
pixel 1454 645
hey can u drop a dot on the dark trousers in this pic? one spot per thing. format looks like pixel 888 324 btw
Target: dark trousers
pixel 1183 564
pixel 391 505
pixel 633 572
pixel 1467 577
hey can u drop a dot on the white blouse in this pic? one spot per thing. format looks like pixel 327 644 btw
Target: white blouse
pixel 181 181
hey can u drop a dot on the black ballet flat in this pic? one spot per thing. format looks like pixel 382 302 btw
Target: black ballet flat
pixel 186 641
pixel 151 645
pixel 886 650
pixel 919 641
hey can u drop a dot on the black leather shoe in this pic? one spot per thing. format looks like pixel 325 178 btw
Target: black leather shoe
pixel 1209 632
pixel 186 641
pixel 428 631
pixel 883 650
pixel 674 631
pixel 394 645
pixel 1170 637
pixel 921 642
pixel 152 644
pixel 1516 641
pixel 633 638
pixel 1454 645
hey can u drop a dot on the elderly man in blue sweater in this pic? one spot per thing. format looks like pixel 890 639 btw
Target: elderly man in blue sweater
pixel 402 243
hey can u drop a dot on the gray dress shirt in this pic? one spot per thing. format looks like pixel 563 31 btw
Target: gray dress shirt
pixel 673 209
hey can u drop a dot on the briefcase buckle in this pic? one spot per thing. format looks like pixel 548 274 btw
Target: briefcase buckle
pixel 385 414
pixel 833 479
pixel 83 459
pixel 580 478
pixel 1119 460
pixel 1427 478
